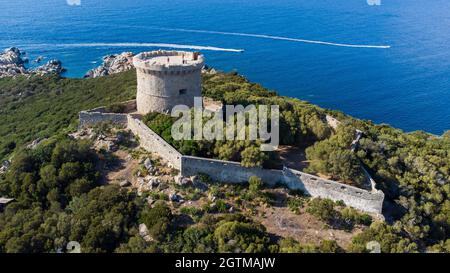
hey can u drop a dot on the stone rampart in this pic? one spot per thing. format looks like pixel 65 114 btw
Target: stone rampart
pixel 90 118
pixel 152 142
pixel 233 172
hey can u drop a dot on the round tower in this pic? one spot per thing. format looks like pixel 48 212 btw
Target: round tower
pixel 166 79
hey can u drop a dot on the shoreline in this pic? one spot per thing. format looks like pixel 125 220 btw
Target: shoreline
pixel 119 62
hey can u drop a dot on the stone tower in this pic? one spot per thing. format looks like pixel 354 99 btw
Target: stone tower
pixel 166 79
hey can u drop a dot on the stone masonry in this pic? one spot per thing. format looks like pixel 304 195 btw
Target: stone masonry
pixel 169 78
pixel 166 79
pixel 234 172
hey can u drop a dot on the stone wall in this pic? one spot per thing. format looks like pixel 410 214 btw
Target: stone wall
pixel 152 142
pixel 95 116
pixel 369 201
pixel 233 172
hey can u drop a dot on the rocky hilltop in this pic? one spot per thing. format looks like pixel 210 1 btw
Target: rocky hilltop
pixel 12 63
pixel 112 64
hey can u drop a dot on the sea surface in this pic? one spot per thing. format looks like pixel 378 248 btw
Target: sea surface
pixel 389 63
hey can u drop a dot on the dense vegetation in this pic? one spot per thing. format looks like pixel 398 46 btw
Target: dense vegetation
pixel 59 199
pixel 246 152
pixel 40 107
pixel 413 169
pixel 301 123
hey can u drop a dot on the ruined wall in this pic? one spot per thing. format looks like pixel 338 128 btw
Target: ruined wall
pixel 232 172
pixel 227 171
pixel 370 201
pixel 152 142
pixel 95 116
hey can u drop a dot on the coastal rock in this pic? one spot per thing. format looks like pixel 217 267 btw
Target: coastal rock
pixel 11 56
pixel 51 67
pixel 112 64
pixel 38 59
pixel 12 64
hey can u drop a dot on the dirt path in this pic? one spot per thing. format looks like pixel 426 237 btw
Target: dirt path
pixel 124 170
pixel 293 157
pixel 303 227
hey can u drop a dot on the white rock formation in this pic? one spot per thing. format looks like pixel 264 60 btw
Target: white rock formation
pixel 112 64
pixel 12 64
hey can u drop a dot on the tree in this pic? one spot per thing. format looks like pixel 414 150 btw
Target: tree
pixel 253 157
pixel 333 156
pixel 157 220
pixel 323 209
pixel 241 237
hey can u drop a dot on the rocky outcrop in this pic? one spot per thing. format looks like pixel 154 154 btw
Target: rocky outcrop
pixel 112 64
pixel 51 67
pixel 12 64
pixel 5 166
pixel 33 145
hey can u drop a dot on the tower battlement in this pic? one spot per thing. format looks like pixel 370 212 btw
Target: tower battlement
pixel 166 79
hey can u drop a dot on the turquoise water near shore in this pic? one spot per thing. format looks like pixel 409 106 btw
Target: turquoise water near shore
pixel 406 85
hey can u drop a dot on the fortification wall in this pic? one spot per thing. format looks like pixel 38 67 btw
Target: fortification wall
pixel 95 116
pixel 227 171
pixel 233 172
pixel 152 142
pixel 370 201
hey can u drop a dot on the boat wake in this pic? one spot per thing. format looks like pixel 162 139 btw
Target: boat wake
pixel 160 45
pixel 263 36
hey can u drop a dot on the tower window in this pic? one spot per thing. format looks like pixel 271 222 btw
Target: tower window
pixel 182 91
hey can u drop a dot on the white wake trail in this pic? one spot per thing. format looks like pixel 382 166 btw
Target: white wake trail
pixel 272 37
pixel 161 45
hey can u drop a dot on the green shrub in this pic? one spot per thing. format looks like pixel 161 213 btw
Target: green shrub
pixel 255 184
pixel 295 204
pixel 157 220
pixel 323 209
pixel 116 108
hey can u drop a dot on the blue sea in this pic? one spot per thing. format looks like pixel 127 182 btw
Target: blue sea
pixel 389 63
